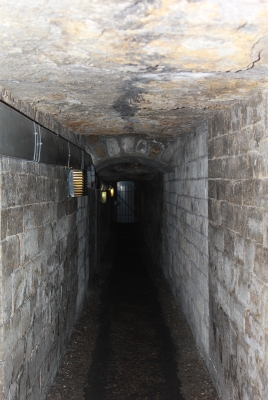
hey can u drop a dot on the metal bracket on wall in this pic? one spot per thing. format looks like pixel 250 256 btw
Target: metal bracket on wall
pixel 20 137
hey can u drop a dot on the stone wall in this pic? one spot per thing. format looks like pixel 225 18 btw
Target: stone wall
pixel 218 268
pixel 238 248
pixel 176 228
pixel 45 271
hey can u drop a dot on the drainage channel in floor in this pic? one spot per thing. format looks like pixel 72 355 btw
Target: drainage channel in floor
pixel 124 346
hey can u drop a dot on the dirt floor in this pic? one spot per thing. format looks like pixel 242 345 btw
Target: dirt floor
pixel 132 340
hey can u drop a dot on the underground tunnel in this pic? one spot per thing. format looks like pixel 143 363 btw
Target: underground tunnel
pixel 172 96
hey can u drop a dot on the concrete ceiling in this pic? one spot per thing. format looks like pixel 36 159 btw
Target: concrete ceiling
pixel 149 67
pixel 152 67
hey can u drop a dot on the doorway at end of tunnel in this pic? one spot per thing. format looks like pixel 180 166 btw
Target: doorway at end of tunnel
pixel 127 202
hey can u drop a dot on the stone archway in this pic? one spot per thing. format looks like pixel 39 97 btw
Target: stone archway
pixel 145 151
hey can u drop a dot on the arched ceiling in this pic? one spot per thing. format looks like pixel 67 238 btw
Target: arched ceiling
pixel 127 172
pixel 150 67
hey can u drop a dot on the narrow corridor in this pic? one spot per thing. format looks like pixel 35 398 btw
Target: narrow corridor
pixel 131 354
pixel 134 356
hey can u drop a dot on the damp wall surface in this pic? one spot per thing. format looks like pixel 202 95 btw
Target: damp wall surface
pixel 46 264
pixel 207 226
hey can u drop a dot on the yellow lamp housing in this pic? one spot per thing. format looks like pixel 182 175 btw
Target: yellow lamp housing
pixel 103 197
pixel 112 192
pixel 76 182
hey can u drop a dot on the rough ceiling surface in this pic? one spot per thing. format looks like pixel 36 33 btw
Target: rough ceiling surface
pixel 150 67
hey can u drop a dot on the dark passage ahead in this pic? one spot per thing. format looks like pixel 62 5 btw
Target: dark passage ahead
pixel 134 357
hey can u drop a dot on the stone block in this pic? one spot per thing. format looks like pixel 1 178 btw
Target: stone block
pixel 13 391
pixel 8 190
pixel 44 170
pixel 26 316
pixel 265 230
pixel 260 263
pixel 38 329
pixel 248 190
pixel 260 198
pixel 72 205
pixel 32 168
pixel 254 334
pixel 227 215
pixel 216 236
pixel 61 191
pixel 11 221
pixel 15 165
pixel 217 125
pixel 61 228
pixel 29 344
pixel 29 245
pixel 226 274
pixel 256 166
pixel 244 142
pixel 7 297
pixel 44 237
pixel 231 144
pixel 40 268
pixel 211 152
pixel 249 254
pixel 33 372
pixel 255 111
pixel 32 185
pixel 12 333
pixel 36 215
pixel 221 189
pixel 23 383
pixel 235 118
pixel 216 169
pixel 127 144
pixel 214 189
pixel 229 243
pixel 113 148
pixel 219 147
pixel 239 250
pixel 6 374
pixel 21 187
pixel 10 254
pixel 240 221
pixel 18 358
pixel 52 190
pixel 62 209
pixel 237 192
pixel 19 284
pixel 243 283
pixel 254 222
pixel 214 211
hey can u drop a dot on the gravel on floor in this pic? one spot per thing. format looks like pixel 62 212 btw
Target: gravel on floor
pixel 72 381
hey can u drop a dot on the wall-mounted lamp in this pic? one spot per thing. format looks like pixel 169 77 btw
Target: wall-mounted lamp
pixel 103 197
pixel 76 182
pixel 112 192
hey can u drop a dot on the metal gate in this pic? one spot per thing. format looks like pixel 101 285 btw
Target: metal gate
pixel 126 207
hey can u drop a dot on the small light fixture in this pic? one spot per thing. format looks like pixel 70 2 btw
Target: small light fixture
pixel 103 197
pixel 76 182
pixel 112 192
